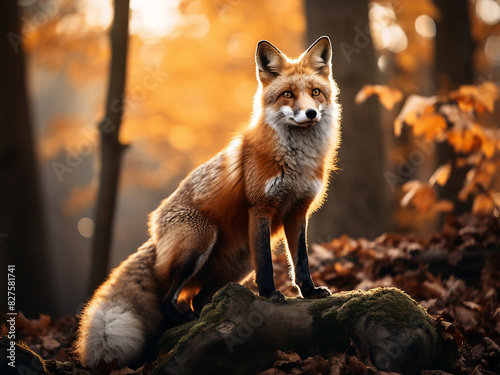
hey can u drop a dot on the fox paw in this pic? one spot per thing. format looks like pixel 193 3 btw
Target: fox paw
pixel 316 293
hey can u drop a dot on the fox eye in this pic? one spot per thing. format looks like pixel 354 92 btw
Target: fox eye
pixel 287 94
pixel 315 92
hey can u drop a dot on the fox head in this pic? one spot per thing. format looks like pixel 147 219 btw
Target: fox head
pixel 295 92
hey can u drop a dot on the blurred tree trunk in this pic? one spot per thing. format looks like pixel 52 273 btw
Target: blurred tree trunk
pixel 453 67
pixel 357 203
pixel 111 148
pixel 22 231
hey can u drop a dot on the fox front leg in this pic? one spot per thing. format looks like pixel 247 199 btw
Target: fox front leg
pixel 295 231
pixel 260 244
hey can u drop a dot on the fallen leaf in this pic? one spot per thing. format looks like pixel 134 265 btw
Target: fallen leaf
pixel 465 318
pixel 123 371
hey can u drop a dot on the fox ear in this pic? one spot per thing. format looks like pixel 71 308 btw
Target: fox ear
pixel 319 56
pixel 270 61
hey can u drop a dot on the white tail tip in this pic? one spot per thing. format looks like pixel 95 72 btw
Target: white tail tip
pixel 109 330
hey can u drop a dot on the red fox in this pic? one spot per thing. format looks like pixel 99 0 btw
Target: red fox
pixel 218 225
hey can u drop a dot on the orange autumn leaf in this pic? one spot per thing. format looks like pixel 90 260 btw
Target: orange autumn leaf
pixel 482 176
pixel 421 195
pixel 488 93
pixel 487 139
pixel 477 98
pixel 488 146
pixel 413 107
pixel 431 125
pixel 441 175
pixel 483 205
pixel 388 96
pixel 443 205
pixel 469 185
pixel 465 97
pixel 464 140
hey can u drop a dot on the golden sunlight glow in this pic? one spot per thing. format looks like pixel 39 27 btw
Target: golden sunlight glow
pixel 97 14
pixel 425 26
pixel 385 30
pixel 488 11
pixel 394 38
pixel 153 19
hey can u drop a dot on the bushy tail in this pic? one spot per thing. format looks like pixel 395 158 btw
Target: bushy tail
pixel 123 314
pixel 109 330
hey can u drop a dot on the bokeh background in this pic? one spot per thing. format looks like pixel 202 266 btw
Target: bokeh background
pixel 189 89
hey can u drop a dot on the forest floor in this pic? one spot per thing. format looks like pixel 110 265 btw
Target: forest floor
pixel 455 275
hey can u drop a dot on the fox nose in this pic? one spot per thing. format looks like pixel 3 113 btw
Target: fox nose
pixel 311 113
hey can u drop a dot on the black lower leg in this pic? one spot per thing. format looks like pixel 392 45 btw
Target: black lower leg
pixel 264 274
pixel 264 264
pixel 302 273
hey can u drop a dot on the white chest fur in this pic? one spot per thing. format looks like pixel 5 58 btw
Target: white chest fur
pixel 293 186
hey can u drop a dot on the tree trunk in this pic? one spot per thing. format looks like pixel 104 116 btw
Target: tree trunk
pixel 111 148
pixel 22 231
pixel 239 332
pixel 453 67
pixel 357 203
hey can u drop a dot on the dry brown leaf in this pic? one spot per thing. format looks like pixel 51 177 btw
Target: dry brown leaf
pixel 388 96
pixel 356 367
pixel 124 371
pixel 465 318
pixel 50 341
pixel 449 332
pixel 33 327
pixel 471 305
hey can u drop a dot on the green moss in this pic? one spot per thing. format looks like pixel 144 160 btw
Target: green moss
pixel 171 336
pixel 337 315
pixel 376 302
pixel 213 312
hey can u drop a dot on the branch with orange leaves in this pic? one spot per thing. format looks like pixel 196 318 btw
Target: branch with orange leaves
pixel 453 119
